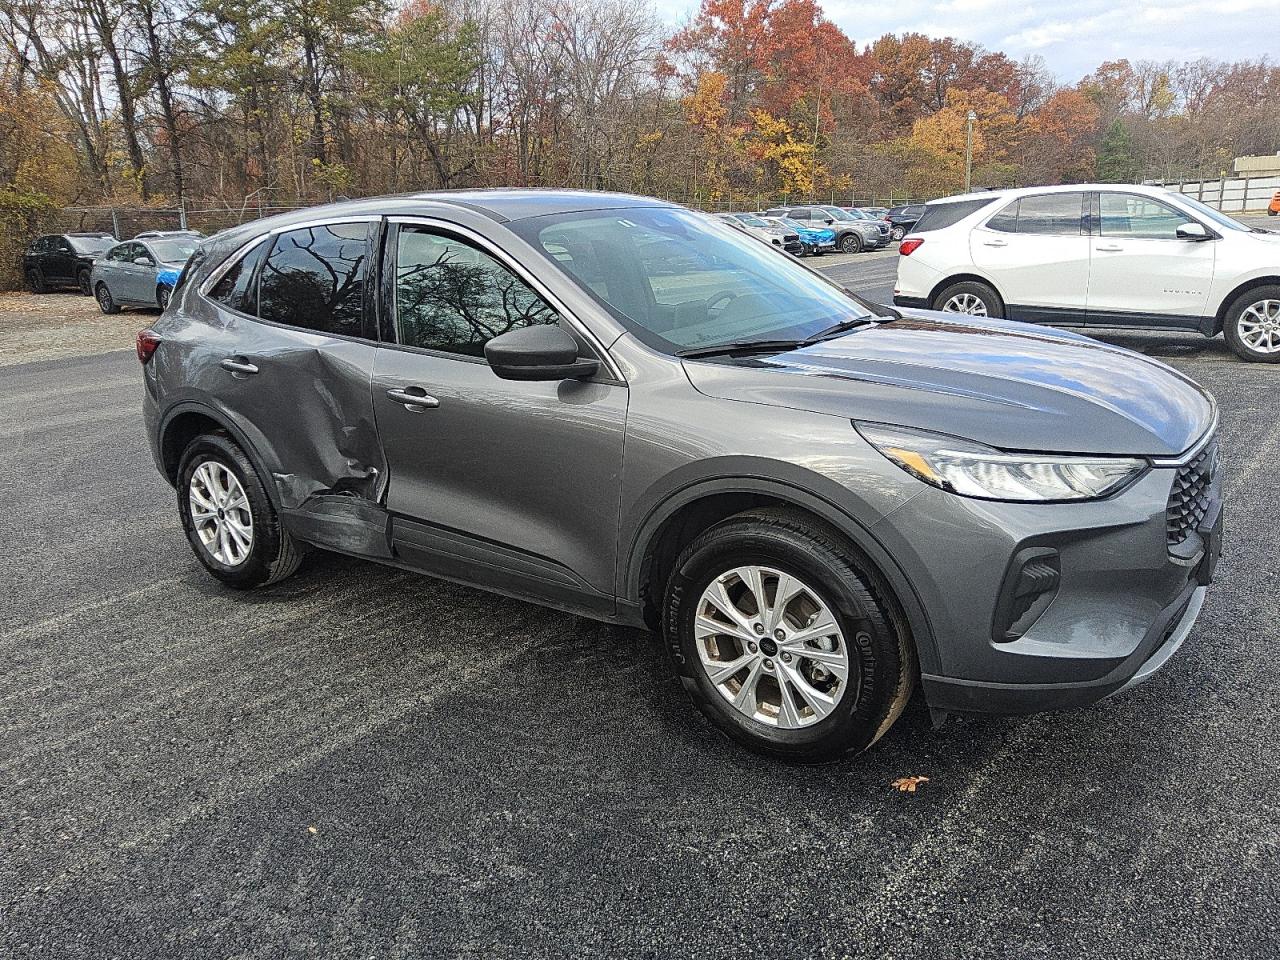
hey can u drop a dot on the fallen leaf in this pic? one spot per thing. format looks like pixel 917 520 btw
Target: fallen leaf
pixel 909 784
pixel 313 829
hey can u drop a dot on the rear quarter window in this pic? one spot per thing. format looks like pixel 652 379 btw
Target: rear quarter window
pixel 940 215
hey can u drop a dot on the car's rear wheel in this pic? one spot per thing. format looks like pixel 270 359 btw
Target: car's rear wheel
pixel 229 520
pixel 781 639
pixel 35 281
pixel 84 281
pixel 106 303
pixel 1252 325
pixel 163 292
pixel 897 233
pixel 971 298
pixel 851 243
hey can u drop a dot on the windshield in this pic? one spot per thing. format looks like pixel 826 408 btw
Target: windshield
pixel 753 222
pixel 172 251
pixel 677 281
pixel 1218 217
pixel 91 244
pixel 796 224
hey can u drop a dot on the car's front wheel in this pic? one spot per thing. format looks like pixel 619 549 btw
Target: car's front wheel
pixel 1252 325
pixel 163 292
pixel 969 297
pixel 897 233
pixel 229 520
pixel 781 639
pixel 851 243
pixel 106 303
pixel 84 282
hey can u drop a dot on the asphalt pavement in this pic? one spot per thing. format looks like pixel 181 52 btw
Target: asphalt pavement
pixel 364 763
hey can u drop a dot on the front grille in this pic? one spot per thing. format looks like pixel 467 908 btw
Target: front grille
pixel 791 238
pixel 1189 497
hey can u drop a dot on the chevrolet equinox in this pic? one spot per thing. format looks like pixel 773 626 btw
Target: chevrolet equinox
pixel 616 407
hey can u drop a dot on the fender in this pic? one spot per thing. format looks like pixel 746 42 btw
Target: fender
pixel 815 494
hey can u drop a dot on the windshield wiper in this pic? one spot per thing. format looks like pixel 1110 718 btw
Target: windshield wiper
pixel 742 346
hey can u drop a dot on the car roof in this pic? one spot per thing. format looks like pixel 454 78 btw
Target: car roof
pixel 1014 192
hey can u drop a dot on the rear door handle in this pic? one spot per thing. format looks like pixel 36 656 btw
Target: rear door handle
pixel 1109 249
pixel 414 399
pixel 239 366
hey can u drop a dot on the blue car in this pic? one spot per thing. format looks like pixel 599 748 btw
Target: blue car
pixel 142 272
pixel 815 240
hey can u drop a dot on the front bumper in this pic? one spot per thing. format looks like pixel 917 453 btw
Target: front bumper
pixel 1121 605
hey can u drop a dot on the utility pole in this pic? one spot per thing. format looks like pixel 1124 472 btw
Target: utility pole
pixel 968 151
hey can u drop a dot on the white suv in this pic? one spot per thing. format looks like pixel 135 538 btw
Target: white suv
pixel 1103 255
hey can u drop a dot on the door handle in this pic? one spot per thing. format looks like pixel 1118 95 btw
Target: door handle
pixel 414 399
pixel 239 367
pixel 1109 249
pixel 994 243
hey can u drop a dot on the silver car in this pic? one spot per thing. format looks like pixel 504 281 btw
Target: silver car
pixel 141 272
pixel 617 407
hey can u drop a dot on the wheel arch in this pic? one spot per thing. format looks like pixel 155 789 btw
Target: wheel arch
pixel 1220 318
pixel 967 278
pixel 185 421
pixel 683 515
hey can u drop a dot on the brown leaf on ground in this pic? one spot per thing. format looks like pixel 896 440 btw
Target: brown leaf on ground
pixel 909 784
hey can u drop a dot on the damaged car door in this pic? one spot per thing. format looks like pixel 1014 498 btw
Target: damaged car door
pixel 301 374
pixel 478 487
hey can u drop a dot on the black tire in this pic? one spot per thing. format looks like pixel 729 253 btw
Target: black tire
pixel 273 553
pixel 1234 315
pixel 851 243
pixel 882 659
pixel 106 303
pixel 163 292
pixel 84 282
pixel 897 233
pixel 35 280
pixel 990 299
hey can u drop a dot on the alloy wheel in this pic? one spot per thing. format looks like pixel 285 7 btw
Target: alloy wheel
pixel 104 298
pixel 771 647
pixel 1259 326
pixel 220 513
pixel 965 303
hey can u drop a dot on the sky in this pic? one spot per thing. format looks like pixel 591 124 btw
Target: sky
pixel 1073 36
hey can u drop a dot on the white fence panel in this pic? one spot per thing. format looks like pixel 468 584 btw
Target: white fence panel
pixel 1230 194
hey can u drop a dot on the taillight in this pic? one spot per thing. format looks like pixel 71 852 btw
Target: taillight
pixel 147 342
pixel 907 247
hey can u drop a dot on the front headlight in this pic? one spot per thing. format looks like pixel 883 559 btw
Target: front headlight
pixel 974 470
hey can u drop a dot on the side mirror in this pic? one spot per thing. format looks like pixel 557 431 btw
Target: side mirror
pixel 544 352
pixel 1192 231
pixel 143 261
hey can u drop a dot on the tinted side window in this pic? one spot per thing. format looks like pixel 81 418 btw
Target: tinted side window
pixel 314 279
pixel 801 215
pixel 945 214
pixel 1129 215
pixel 453 297
pixel 1054 213
pixel 1006 220
pixel 238 288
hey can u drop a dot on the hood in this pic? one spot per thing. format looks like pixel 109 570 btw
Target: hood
pixel 1009 385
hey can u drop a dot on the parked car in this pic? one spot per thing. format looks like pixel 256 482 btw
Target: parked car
pixel 815 240
pixel 1273 208
pixel 63 260
pixel 152 234
pixel 902 220
pixel 1099 255
pixel 851 236
pixel 880 213
pixel 773 234
pixel 512 398
pixel 881 225
pixel 141 273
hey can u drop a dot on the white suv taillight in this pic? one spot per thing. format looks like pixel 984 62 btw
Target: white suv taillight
pixel 907 247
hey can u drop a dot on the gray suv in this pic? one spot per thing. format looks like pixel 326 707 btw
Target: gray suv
pixel 610 405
